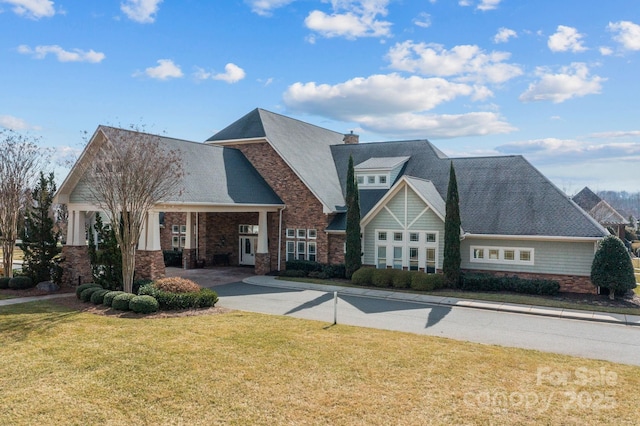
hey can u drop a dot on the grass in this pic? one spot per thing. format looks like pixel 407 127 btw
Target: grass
pixel 524 299
pixel 63 367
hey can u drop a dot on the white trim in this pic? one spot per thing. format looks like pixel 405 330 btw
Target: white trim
pixel 501 255
pixel 237 141
pixel 531 237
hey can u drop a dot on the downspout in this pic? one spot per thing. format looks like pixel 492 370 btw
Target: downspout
pixel 280 238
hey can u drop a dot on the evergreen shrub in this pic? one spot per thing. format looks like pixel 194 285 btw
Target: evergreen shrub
pixel 108 298
pixel 143 304
pixel 21 283
pixel 203 298
pixel 97 297
pixel 82 287
pixel 362 276
pixel 85 295
pixel 401 279
pixel 4 282
pixel 121 301
pixel 383 277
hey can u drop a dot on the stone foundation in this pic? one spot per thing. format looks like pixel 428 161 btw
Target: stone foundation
pixel 263 263
pixel 76 267
pixel 568 283
pixel 149 265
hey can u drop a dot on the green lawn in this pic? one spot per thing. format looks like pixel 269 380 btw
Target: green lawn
pixel 62 367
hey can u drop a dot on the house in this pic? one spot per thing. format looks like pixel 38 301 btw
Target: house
pixel 601 211
pixel 269 188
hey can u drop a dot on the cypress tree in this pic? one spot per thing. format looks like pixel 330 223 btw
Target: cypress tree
pixel 353 256
pixel 39 240
pixel 612 267
pixel 451 263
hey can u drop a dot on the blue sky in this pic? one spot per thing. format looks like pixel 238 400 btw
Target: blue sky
pixel 555 81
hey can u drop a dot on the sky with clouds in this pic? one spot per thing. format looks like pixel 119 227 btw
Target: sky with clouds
pixel 556 82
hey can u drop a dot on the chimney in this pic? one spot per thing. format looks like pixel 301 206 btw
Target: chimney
pixel 351 139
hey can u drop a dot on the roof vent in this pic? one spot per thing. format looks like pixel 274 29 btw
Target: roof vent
pixel 351 139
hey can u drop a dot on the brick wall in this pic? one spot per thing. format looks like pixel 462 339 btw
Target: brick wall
pixel 568 283
pixel 336 248
pixel 149 264
pixel 303 210
pixel 76 267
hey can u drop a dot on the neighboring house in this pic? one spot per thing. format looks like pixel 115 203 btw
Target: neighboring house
pixel 268 188
pixel 601 211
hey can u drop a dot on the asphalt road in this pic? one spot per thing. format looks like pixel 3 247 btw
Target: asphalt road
pixel 612 342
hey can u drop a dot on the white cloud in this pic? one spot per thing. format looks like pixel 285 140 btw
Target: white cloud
pixel 571 82
pixel 423 20
pixel 265 7
pixel 377 94
pixel 34 9
pixel 616 134
pixel 465 62
pixel 232 74
pixel 483 5
pixel 165 70
pixel 503 35
pixel 75 55
pixel 351 19
pixel 605 51
pixel 142 11
pixel 565 39
pixel 626 33
pixel 436 126
pixel 13 123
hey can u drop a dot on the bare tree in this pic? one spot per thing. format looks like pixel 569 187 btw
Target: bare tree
pixel 132 171
pixel 21 159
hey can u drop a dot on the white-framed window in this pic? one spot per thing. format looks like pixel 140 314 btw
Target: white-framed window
pixel 248 229
pixel 175 242
pixel 413 258
pixel 360 180
pixel 291 250
pixel 175 229
pixel 414 237
pixel 311 251
pixel 430 261
pixel 397 257
pixel 371 180
pixel 183 229
pixel 382 236
pixel 397 236
pixel 382 257
pixel 312 234
pixel 431 237
pixel 301 233
pixel 382 180
pixel 301 250
pixel 504 255
pixel 291 233
pixel 183 240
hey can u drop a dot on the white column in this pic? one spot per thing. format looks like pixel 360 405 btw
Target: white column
pixel 153 231
pixel 70 224
pixel 189 236
pixel 142 241
pixel 78 228
pixel 263 233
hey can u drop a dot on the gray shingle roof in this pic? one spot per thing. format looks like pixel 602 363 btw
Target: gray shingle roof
pixel 586 199
pixel 303 146
pixel 498 195
pixel 381 163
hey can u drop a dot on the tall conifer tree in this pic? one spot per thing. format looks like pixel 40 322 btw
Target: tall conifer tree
pixel 353 256
pixel 451 263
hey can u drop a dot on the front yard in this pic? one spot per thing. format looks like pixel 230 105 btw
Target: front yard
pixel 60 366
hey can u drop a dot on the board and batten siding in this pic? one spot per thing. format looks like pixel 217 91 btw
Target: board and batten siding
pixel 550 257
pixel 81 193
pixel 410 215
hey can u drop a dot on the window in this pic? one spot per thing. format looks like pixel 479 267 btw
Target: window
pixel 414 237
pixel 311 251
pixel 371 180
pixel 175 242
pixel 397 258
pixel 397 236
pixel 382 257
pixel 175 229
pixel 431 237
pixel 430 265
pixel 291 233
pixel 312 234
pixel 248 229
pixel 291 250
pixel 360 180
pixel 183 240
pixel 301 250
pixel 522 256
pixel 302 233
pixel 382 236
pixel 413 258
pixel 382 180
pixel 183 229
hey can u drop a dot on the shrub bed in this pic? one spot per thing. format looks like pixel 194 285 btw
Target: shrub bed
pixel 85 295
pixel 383 277
pixel 362 276
pixel 121 301
pixel 311 269
pixel 109 296
pixel 426 282
pixel 401 279
pixel 97 297
pixel 21 283
pixel 143 304
pixel 487 282
pixel 4 282
pixel 82 287
pixel 203 298
pixel 176 285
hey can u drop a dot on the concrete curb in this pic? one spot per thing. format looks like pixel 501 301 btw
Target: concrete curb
pixel 596 316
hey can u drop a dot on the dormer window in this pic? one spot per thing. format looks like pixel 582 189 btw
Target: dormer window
pixel 379 172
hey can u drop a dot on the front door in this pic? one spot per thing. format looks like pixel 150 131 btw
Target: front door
pixel 248 250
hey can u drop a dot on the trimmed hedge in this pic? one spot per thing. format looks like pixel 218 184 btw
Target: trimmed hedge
pixel 383 277
pixel 144 304
pixel 121 301
pixel 204 298
pixel 21 283
pixel 85 295
pixel 97 297
pixel 362 276
pixel 108 298
pixel 487 282
pixel 401 279
pixel 426 282
pixel 82 287
pixel 4 282
pixel 315 269
pixel 292 273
